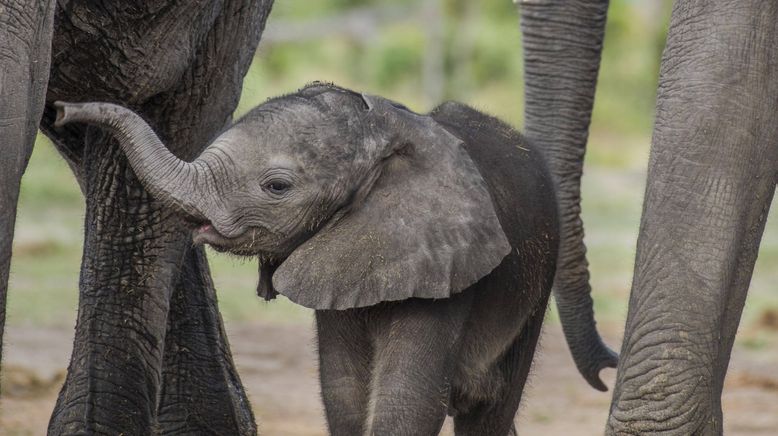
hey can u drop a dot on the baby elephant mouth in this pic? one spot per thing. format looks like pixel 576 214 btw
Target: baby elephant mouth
pixel 249 242
pixel 206 233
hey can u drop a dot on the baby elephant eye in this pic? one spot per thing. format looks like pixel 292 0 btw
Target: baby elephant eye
pixel 277 187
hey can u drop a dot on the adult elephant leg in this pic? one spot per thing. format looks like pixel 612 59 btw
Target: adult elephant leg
pixel 186 83
pixel 25 47
pixel 112 384
pixel 210 91
pixel 562 42
pixel 711 178
pixel 201 390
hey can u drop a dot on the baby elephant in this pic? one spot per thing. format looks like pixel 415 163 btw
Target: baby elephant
pixel 426 243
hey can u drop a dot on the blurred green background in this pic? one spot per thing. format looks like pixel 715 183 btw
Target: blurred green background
pixel 420 53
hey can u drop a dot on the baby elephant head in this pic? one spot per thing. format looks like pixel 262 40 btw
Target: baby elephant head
pixel 347 199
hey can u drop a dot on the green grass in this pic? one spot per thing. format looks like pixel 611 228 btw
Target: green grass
pixel 236 280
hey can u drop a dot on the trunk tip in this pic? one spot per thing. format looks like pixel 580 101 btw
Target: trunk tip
pixel 64 113
pixel 608 359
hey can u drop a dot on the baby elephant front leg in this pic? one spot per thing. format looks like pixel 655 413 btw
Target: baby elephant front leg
pixel 414 358
pixel 344 369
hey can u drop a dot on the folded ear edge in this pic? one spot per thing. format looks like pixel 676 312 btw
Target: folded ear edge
pixel 328 295
pixel 368 100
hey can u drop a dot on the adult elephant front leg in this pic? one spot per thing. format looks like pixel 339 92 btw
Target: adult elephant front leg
pixel 200 389
pixel 25 33
pixel 186 83
pixel 712 176
pixel 119 298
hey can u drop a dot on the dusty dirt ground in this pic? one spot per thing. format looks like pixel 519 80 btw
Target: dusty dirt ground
pixel 280 376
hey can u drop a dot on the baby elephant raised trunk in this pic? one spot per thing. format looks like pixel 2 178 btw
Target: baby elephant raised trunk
pixel 174 182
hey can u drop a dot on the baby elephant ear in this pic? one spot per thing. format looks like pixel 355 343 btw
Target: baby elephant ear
pixel 426 229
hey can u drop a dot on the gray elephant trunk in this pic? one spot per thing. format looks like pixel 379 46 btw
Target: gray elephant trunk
pixel 174 182
pixel 562 46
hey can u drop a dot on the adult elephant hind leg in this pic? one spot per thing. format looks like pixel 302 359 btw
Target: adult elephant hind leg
pixel 344 369
pixel 496 417
pixel 201 392
pixel 25 47
pixel 711 179
pixel 414 360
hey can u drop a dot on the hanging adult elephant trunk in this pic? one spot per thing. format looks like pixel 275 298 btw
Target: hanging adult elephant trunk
pixel 562 42
pixel 184 183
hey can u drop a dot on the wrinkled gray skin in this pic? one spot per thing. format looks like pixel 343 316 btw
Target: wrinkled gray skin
pixel 426 243
pixel 561 60
pixel 711 178
pixel 149 355
pixel 24 71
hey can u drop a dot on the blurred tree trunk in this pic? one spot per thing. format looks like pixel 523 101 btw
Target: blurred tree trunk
pixel 463 45
pixel 433 71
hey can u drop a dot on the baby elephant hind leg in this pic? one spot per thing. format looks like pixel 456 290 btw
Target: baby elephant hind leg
pixel 416 348
pixel 496 417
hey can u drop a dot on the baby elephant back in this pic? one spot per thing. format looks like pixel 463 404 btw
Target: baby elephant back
pixel 517 178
